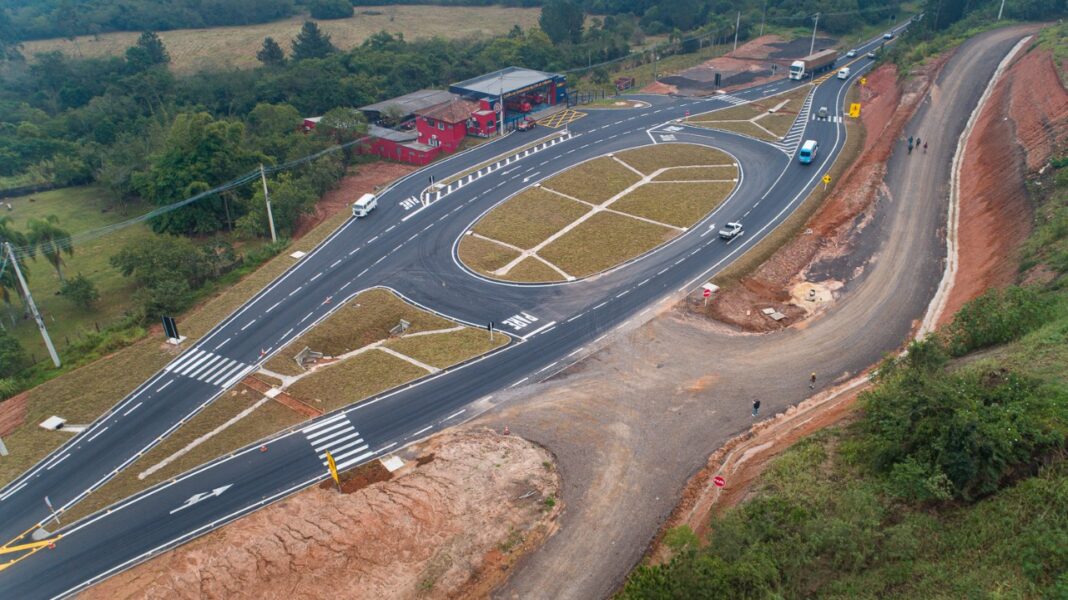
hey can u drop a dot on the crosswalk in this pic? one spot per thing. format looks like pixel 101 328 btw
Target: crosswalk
pixel 829 119
pixel 733 100
pixel 206 366
pixel 337 436
pixel 792 140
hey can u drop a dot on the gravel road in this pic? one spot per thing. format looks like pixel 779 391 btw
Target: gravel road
pixel 631 424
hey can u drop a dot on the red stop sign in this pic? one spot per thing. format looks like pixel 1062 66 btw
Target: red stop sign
pixel 707 292
pixel 719 481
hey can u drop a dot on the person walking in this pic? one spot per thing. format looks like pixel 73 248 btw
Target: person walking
pixel 917 141
pixel 756 407
pixel 812 382
pixel 925 147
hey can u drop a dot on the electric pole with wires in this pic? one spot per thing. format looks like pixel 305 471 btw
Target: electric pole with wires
pixel 13 260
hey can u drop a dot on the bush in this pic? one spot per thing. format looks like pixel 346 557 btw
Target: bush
pixel 997 317
pixel 13 357
pixel 80 290
pixel 330 9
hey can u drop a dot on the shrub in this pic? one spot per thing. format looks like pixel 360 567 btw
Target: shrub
pixel 997 317
pixel 330 9
pixel 80 290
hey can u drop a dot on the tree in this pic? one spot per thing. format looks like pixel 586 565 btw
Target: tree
pixel 80 290
pixel 9 45
pixel 343 124
pixel 52 241
pixel 290 198
pixel 8 279
pixel 562 21
pixel 311 42
pixel 330 9
pixel 198 154
pixel 271 54
pixel 13 358
pixel 147 53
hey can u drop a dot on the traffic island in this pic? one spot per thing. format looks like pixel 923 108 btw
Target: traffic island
pixel 599 214
pixel 766 119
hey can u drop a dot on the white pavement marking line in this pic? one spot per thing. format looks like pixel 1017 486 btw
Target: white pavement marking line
pixel 455 414
pixel 362 272
pixel 623 293
pixel 664 270
pixel 314 277
pixel 575 317
pixel 372 239
pixel 354 251
pixel 160 388
pixel 249 324
pixel 132 409
pixel 202 496
pixel 336 436
pixel 52 466
pixel 286 334
pixel 306 317
pixel 576 352
pixel 644 281
pixel 223 343
pixel 520 321
pixel 93 437
pixel 335 263
pixel 195 373
pixel 391 228
pixel 544 327
pixel 546 368
pixel 275 305
pixel 519 382
pixel 347 284
pixel 12 491
pixel 422 431
pixel 600 305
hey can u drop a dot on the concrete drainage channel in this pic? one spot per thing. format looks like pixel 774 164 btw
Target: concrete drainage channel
pixel 438 191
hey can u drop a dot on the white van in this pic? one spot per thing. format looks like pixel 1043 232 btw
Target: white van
pixel 843 73
pixel 364 206
pixel 808 152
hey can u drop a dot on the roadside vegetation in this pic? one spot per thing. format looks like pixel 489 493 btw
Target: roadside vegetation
pixel 599 214
pixel 951 480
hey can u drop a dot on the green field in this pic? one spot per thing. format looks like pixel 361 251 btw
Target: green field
pixel 79 209
pixel 192 50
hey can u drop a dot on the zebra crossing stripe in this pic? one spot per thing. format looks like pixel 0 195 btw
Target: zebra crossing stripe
pixel 212 359
pixel 323 423
pixel 194 363
pixel 353 461
pixel 226 375
pixel 184 359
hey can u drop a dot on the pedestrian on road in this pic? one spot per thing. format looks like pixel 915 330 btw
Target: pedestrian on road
pixel 917 141
pixel 812 382
pixel 925 147
pixel 756 407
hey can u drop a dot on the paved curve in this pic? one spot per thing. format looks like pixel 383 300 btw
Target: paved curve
pixel 402 250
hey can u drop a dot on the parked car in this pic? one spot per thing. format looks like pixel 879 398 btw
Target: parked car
pixel 852 53
pixel 843 73
pixel 731 231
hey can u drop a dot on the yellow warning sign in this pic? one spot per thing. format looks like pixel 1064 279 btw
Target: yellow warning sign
pixel 826 179
pixel 854 109
pixel 333 468
pixel 863 81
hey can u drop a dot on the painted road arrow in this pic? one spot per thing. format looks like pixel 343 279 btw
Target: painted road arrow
pixel 202 496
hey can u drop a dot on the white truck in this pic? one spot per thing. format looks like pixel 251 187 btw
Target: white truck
pixel 364 206
pixel 812 64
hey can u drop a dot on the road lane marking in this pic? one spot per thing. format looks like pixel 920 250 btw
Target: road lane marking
pixel 548 367
pixel 544 327
pixel 306 317
pixel 202 496
pixel 362 272
pixel 275 305
pixel 455 414
pixel 576 352
pixel 372 239
pixel 664 270
pixel 314 277
pixel 623 293
pixel 132 409
pixel 53 465
pixel 160 388
pixel 286 334
pixel 599 305
pixel 575 317
pixel 422 431
pixel 519 382
pixel 223 343
pixel 335 263
pixel 644 281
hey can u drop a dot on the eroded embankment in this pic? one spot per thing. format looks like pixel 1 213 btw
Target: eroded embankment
pixel 832 230
pixel 448 525
pixel 995 213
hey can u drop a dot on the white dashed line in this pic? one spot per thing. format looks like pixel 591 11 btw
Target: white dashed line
pixel 53 465
pixel 273 306
pixel 548 367
pixel 664 270
pixel 220 345
pixel 249 324
pixel 160 388
pixel 576 352
pixel 372 239
pixel 362 272
pixel 93 437
pixel 296 290
pixel 599 305
pixel 422 431
pixel 133 408
pixel 316 276
pixel 306 317
pixel 623 293
pixel 335 263
pixel 575 317
pixel 391 228
pixel 519 382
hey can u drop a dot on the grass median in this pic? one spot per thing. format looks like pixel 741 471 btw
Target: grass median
pixel 529 217
pixel 756 119
pixel 676 203
pixel 602 242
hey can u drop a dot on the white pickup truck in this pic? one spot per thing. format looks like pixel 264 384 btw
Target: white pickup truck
pixel 730 231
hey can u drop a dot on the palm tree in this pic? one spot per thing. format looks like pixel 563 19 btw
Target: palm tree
pixel 8 280
pixel 53 242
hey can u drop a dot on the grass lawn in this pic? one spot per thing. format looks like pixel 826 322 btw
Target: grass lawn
pixel 261 422
pixel 443 350
pixel 602 242
pixel 235 47
pixel 529 217
pixel 678 203
pixel 79 209
pixel 532 270
pixel 484 256
pixel 357 378
pixel 778 122
pixel 594 181
pixel 659 156
pixel 366 319
pixel 698 173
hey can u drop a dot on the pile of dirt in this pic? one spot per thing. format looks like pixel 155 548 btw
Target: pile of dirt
pixel 762 59
pixel 366 180
pixel 442 528
pixel 993 172
pixel 829 233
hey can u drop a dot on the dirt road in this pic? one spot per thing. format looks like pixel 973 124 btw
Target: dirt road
pixel 631 424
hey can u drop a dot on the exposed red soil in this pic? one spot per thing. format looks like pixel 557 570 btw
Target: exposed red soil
pixel 887 107
pixel 992 174
pixel 12 413
pixel 367 179
pixel 283 398
pixel 750 56
pixel 451 527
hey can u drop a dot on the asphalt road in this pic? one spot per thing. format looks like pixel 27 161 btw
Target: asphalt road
pixel 411 250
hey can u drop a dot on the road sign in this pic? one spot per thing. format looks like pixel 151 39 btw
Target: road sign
pixel 333 469
pixel 826 179
pixel 170 328
pixel 707 292
pixel 496 107
pixel 854 110
pixel 863 81
pixel 719 481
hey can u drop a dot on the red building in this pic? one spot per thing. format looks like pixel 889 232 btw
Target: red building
pixel 402 146
pixel 444 125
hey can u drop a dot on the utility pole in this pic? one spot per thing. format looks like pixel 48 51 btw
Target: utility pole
pixel 1001 9
pixel 267 199
pixel 737 22
pixel 654 64
pixel 812 48
pixel 32 306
